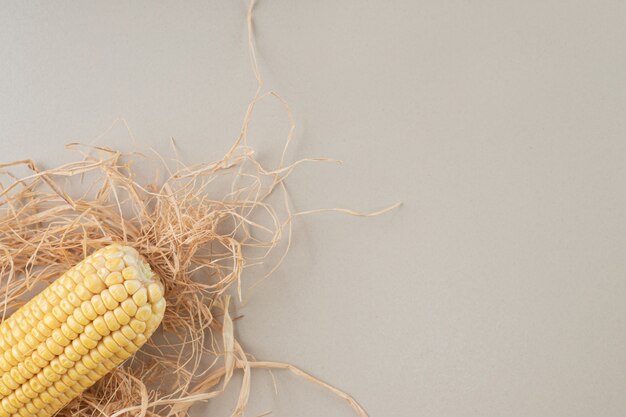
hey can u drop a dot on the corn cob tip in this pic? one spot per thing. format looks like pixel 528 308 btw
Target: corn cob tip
pixel 81 327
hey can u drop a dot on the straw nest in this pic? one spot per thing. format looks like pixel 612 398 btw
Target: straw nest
pixel 197 234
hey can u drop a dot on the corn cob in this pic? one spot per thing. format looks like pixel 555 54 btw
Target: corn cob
pixel 78 329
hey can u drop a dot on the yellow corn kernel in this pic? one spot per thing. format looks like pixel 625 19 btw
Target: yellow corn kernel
pixel 114 278
pixel 98 261
pixel 111 321
pixel 129 307
pixel 121 316
pixel 16 376
pixel 60 338
pixel 118 292
pixel 74 325
pixel 82 326
pixel 44 352
pixel 88 311
pixel 115 264
pixel 73 299
pixel 102 350
pixel 4 390
pixel 80 317
pixel 54 347
pixel 159 307
pixel 56 366
pixel 101 327
pixel 144 313
pixel 91 332
pixel 37 360
pixel 154 292
pixel 93 283
pixel 132 286
pixel 98 304
pixel 59 314
pixel 140 297
pixel 66 306
pixel 96 357
pixel 137 326
pixel 65 361
pixel 130 273
pixel 108 300
pixel 82 292
pixel 128 332
pixel 87 342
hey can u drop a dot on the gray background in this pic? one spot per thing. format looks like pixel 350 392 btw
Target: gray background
pixel 496 290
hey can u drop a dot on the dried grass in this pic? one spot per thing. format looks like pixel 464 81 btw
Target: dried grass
pixel 197 237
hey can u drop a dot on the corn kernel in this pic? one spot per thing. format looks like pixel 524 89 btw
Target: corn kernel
pixel 102 350
pixel 98 304
pixel 4 390
pixel 28 391
pixel 129 307
pixel 56 366
pixel 79 347
pixel 82 292
pixel 38 360
pixel 158 308
pixel 66 306
pixel 51 322
pixel 155 293
pixel 144 313
pixel 17 376
pixel 80 317
pixel 93 283
pixel 88 362
pixel 74 325
pixel 111 322
pixel 114 264
pixel 98 261
pixel 14 401
pixel 128 332
pixel 59 337
pixel 88 342
pixel 141 297
pixel 121 316
pixel 91 332
pixel 118 292
pixel 88 311
pixel 130 273
pixel 41 377
pixel 96 357
pixel 132 286
pixel 113 278
pixel 73 299
pixel 54 347
pixel 85 268
pixel 71 353
pixel 108 300
pixel 31 341
pixel 30 366
pixel 100 326
pixel 65 361
pixel 110 344
pixel 44 352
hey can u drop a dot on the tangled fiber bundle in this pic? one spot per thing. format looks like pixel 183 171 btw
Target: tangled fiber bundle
pixel 199 227
pixel 195 241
